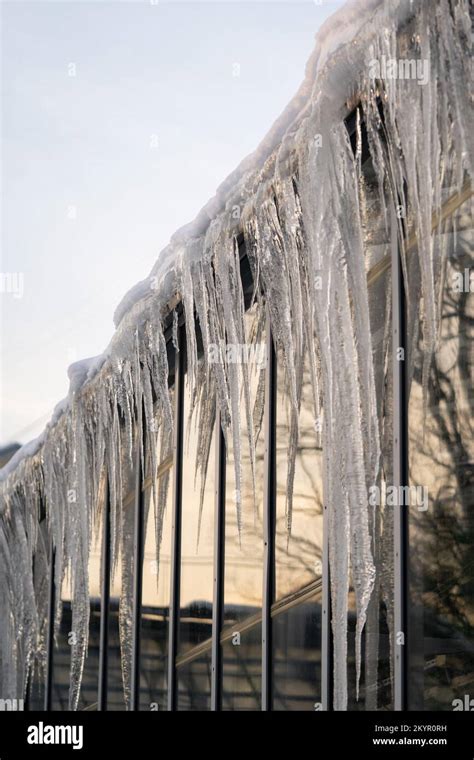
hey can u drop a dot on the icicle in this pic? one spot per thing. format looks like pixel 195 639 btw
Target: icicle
pixel 226 277
pixel 162 495
pixel 78 522
pixel 174 334
pixel 303 220
pixel 187 290
pixel 206 427
pixel 213 319
pixel 126 601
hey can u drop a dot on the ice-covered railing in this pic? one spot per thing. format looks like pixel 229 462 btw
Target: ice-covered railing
pixel 297 202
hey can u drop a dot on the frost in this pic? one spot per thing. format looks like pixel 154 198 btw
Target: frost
pixel 303 225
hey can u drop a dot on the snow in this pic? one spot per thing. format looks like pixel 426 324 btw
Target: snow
pixel 301 209
pixel 83 371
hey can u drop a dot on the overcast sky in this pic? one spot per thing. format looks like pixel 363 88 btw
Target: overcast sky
pixel 119 120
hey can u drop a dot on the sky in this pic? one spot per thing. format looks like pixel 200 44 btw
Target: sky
pixel 118 122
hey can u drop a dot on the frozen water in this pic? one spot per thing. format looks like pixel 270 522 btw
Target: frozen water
pixel 301 215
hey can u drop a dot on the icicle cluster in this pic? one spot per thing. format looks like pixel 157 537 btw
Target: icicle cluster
pixel 300 211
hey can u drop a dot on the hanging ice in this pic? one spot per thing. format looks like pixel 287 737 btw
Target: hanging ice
pixel 302 221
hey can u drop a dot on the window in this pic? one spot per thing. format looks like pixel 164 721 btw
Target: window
pixel 376 684
pixel 441 522
pixel 120 596
pixel 90 678
pixel 197 567
pixel 62 651
pixel 441 532
pixel 42 580
pixel 155 600
pixel 298 557
pixel 242 632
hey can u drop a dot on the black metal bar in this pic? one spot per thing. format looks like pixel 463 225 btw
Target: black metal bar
pixel 104 603
pixel 219 559
pixel 176 524
pixel 400 469
pixel 27 703
pixel 269 522
pixel 138 550
pixel 326 638
pixel 48 687
pixel 29 680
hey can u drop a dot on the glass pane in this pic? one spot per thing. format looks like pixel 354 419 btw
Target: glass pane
pixel 194 683
pixel 197 557
pixel 375 684
pixel 155 608
pixel 62 653
pixel 243 579
pixel 121 587
pixel 115 695
pixel 442 494
pixel 297 656
pixel 242 663
pixel 299 554
pixel 197 537
pixel 90 679
pixel 41 575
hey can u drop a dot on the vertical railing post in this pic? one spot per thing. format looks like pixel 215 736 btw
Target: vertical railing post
pixel 176 524
pixel 400 469
pixel 326 639
pixel 269 522
pixel 219 559
pixel 104 602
